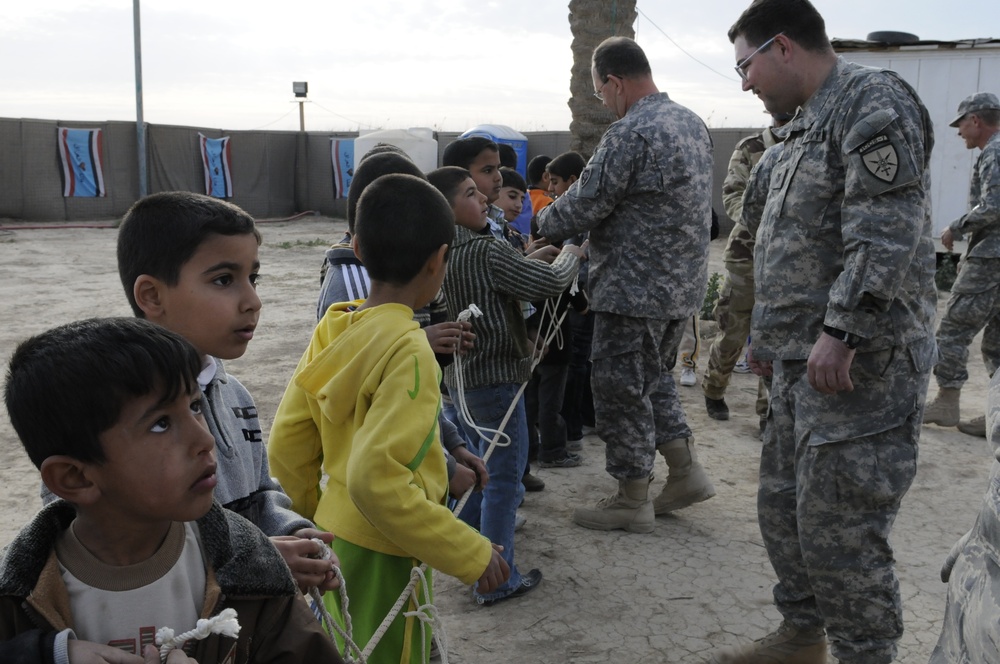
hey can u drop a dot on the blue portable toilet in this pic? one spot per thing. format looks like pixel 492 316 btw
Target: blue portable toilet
pixel 504 134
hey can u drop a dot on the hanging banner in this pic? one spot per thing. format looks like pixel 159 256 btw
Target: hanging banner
pixel 81 152
pixel 342 154
pixel 215 159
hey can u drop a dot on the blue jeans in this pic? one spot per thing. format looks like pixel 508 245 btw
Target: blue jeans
pixel 503 493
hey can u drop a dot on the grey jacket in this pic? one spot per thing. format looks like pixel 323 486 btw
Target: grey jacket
pixel 645 196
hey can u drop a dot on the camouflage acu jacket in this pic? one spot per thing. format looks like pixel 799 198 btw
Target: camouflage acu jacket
pixel 845 238
pixel 645 196
pixel 982 222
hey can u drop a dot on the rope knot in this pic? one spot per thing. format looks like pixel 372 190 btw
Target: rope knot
pixel 225 623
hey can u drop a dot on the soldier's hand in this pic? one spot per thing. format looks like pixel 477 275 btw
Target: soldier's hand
pixel 762 368
pixel 829 365
pixel 948 239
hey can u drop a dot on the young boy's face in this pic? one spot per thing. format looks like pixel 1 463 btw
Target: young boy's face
pixel 469 206
pixel 160 461
pixel 511 200
pixel 558 185
pixel 214 304
pixel 485 171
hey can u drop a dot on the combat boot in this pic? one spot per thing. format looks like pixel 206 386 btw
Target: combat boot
pixel 974 427
pixel 687 481
pixel 786 645
pixel 943 410
pixel 628 509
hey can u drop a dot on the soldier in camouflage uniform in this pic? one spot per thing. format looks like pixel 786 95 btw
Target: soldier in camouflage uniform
pixel 975 295
pixel 732 310
pixel 645 193
pixel 845 302
pixel 972 611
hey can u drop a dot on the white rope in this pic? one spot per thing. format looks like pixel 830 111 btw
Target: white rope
pixel 225 623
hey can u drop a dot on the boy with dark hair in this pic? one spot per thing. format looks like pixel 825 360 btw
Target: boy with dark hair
pixel 348 280
pixel 538 183
pixel 127 550
pixel 481 157
pixel 362 407
pixel 189 262
pixel 512 193
pixel 563 171
pixel 494 276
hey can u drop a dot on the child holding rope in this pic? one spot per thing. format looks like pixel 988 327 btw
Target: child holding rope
pixel 494 276
pixel 362 407
pixel 110 412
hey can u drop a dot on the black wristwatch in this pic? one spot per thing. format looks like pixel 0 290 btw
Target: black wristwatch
pixel 850 340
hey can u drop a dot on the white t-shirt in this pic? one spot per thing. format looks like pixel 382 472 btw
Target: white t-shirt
pixel 125 606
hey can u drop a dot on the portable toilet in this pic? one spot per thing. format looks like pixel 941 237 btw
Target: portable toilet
pixel 504 134
pixel 418 143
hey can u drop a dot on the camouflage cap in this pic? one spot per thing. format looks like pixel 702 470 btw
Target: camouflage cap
pixel 981 101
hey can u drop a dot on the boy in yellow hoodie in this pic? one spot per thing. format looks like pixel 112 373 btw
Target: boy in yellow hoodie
pixel 362 407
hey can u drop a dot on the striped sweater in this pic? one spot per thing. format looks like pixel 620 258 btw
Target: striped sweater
pixel 492 275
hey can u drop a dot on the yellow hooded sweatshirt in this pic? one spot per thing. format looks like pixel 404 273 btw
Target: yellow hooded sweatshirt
pixel 362 407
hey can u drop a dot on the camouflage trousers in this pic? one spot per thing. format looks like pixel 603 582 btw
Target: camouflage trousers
pixel 833 471
pixel 974 305
pixel 972 611
pixel 635 396
pixel 732 313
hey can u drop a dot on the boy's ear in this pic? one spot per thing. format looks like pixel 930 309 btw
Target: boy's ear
pixel 148 293
pixel 68 478
pixel 354 246
pixel 436 263
pixel 572 179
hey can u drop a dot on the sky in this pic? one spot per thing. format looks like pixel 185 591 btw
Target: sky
pixel 385 64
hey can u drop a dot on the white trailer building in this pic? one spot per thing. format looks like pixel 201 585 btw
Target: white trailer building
pixel 943 73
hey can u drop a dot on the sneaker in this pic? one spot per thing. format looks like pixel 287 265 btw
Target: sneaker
pixel 532 483
pixel 529 582
pixel 785 645
pixel 570 460
pixel 717 408
pixel 519 521
pixel 742 367
pixel 974 427
pixel 688 379
pixel 574 445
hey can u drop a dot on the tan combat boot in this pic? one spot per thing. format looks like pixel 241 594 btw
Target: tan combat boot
pixel 628 509
pixel 943 410
pixel 786 645
pixel 974 427
pixel 687 481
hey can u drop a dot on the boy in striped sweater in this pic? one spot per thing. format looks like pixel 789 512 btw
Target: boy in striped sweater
pixel 495 277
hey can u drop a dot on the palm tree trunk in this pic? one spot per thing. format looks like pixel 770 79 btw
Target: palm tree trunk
pixel 591 22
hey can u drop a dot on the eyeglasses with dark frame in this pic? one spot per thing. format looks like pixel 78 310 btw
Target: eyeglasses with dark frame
pixel 742 65
pixel 599 94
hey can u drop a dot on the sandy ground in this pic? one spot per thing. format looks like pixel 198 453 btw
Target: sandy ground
pixel 701 580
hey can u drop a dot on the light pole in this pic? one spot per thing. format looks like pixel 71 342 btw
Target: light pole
pixel 300 88
pixel 140 126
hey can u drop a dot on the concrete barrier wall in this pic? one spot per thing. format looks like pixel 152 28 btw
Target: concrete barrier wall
pixel 274 173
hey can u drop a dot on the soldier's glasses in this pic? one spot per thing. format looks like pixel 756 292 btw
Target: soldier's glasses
pixel 742 67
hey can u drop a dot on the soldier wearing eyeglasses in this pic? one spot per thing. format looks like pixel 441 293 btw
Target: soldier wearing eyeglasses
pixel 845 303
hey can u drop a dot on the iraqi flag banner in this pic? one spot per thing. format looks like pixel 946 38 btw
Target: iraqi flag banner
pixel 342 153
pixel 215 159
pixel 81 152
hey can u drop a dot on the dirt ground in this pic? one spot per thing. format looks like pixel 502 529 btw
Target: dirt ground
pixel 700 581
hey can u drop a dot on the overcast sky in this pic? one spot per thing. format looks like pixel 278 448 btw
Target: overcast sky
pixel 381 64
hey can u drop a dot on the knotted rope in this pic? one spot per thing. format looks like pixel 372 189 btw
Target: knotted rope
pixel 224 623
